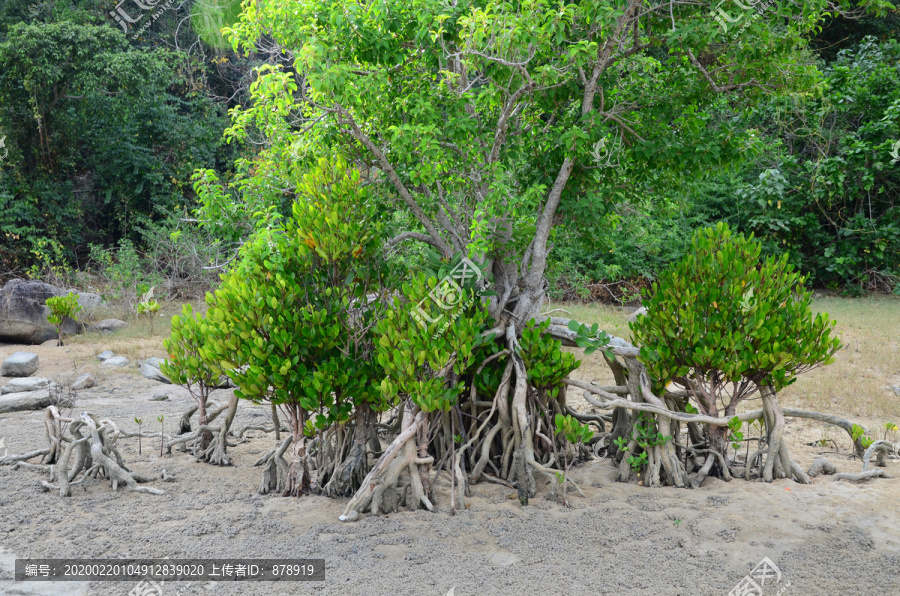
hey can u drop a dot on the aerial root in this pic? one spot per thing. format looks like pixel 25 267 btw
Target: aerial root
pixel 215 437
pixel 866 473
pixel 275 468
pixel 400 456
pixel 91 455
pixel 820 466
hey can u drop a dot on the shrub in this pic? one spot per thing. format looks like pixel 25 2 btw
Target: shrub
pixel 61 308
pixel 187 366
pixel 293 321
pixel 722 325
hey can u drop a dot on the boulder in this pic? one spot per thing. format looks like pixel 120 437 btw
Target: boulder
pixel 23 313
pixel 85 381
pixel 20 364
pixel 30 400
pixel 116 361
pixel 108 325
pixel 153 372
pixel 105 355
pixel 24 385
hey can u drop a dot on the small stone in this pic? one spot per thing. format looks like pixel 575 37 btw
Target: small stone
pixel 116 361
pixel 108 325
pixel 153 373
pixel 105 355
pixel 20 364
pixel 85 381
pixel 24 384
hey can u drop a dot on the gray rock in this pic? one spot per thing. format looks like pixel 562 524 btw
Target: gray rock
pixel 116 361
pixel 85 381
pixel 20 364
pixel 152 372
pixel 105 355
pixel 108 325
pixel 23 313
pixel 633 316
pixel 25 384
pixel 88 301
pixel 30 400
pixel 154 361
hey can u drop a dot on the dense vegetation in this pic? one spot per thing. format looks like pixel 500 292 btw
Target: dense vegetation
pixel 104 130
pixel 396 177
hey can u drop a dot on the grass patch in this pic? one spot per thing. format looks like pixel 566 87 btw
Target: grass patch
pixel 857 385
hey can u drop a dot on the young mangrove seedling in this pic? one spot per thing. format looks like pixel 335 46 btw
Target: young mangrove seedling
pixel 139 421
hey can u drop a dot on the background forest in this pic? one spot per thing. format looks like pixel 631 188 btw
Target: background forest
pixel 102 131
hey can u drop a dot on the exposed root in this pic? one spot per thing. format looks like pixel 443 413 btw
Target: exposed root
pixel 820 466
pixel 400 456
pixel 275 469
pixel 209 443
pixel 89 455
pixel 343 455
pixel 866 474
pixel 12 460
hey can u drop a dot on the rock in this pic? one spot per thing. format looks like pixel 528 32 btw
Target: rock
pixel 116 361
pixel 88 301
pixel 108 325
pixel 30 400
pixel 153 361
pixel 23 313
pixel 20 364
pixel 633 316
pixel 105 355
pixel 85 381
pixel 152 372
pixel 25 384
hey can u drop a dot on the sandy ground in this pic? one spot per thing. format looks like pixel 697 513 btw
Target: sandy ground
pixel 826 538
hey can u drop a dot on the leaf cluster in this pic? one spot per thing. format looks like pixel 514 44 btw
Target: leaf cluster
pixel 721 316
pixel 62 307
pixel 545 362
